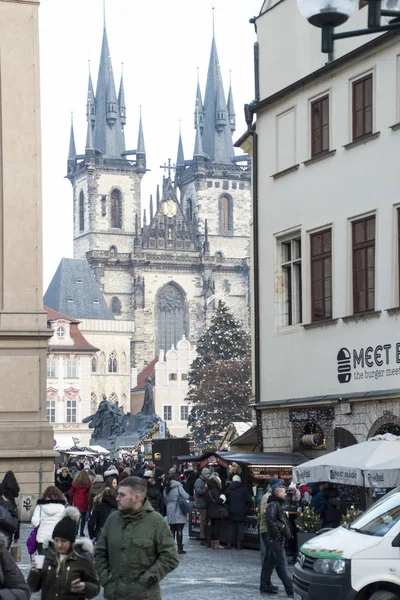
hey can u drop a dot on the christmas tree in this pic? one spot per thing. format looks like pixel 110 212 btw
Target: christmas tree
pixel 219 378
pixel 308 522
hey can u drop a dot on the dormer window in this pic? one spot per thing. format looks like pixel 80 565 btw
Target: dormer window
pixel 60 333
pixel 95 301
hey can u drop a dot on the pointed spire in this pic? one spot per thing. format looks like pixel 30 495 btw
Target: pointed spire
pixel 140 145
pixel 198 145
pixel 198 107
pixel 217 138
pixel 111 111
pixel 91 99
pixel 151 208
pixel 144 219
pixel 121 98
pixel 180 159
pixel 230 106
pixel 89 136
pixel 72 147
pixel 108 131
pixel 158 196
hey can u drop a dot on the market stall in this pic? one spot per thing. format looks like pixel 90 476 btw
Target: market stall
pixel 256 470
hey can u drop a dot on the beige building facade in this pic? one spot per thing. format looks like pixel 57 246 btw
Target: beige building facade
pixel 26 437
pixel 328 234
pixel 171 387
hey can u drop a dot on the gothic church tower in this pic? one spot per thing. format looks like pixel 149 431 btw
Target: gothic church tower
pixel 106 179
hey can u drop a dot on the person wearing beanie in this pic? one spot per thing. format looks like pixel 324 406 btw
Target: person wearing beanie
pixel 238 498
pixel 200 494
pixel 175 517
pixel 68 570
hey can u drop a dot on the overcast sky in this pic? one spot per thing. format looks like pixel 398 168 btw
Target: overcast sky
pixel 161 44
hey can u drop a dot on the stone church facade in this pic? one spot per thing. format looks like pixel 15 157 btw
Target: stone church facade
pixel 163 270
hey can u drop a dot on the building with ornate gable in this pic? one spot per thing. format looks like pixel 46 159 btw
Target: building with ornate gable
pixel 162 269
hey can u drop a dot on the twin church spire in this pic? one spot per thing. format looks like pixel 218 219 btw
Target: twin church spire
pixel 106 114
pixel 214 119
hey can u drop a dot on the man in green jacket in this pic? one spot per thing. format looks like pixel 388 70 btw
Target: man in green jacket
pixel 135 549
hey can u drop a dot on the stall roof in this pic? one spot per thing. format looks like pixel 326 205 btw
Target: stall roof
pixel 269 459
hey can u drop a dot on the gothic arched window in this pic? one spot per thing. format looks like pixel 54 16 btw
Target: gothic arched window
pixel 94 364
pixel 171 311
pixel 113 397
pixel 112 362
pixel 115 306
pixel 225 214
pixel 189 210
pixel 116 209
pixel 93 403
pixel 81 211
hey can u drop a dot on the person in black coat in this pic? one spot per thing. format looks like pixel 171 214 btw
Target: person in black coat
pixel 9 523
pixel 64 482
pixel 237 500
pixel 215 502
pixel 10 489
pixel 12 583
pixel 155 496
pixel 104 505
pixel 191 477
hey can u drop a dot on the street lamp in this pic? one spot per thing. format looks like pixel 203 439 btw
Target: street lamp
pixel 328 14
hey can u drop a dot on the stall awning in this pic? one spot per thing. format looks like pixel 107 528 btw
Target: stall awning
pixel 267 459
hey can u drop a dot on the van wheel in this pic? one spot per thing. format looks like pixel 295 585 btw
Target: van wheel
pixel 384 595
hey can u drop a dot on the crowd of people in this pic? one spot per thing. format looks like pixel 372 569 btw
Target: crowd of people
pixel 136 505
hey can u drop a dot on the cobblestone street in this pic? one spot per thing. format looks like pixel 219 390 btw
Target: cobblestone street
pixel 202 574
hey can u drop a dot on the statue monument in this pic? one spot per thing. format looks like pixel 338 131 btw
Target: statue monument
pixel 112 428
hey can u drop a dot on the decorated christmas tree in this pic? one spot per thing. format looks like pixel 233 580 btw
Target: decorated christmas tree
pixel 350 515
pixel 308 521
pixel 219 379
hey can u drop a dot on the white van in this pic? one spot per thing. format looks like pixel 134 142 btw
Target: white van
pixel 361 562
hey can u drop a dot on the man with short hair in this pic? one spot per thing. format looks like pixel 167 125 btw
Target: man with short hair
pixel 135 550
pixel 200 494
pixel 278 531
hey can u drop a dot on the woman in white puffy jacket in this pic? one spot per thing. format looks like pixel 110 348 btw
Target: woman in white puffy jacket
pixel 50 509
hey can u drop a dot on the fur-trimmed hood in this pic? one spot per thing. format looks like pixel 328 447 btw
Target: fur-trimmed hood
pixel 81 546
pixel 43 502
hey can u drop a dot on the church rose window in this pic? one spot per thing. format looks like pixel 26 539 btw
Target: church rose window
pixel 116 209
pixel 171 317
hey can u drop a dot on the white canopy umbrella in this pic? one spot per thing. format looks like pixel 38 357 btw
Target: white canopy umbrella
pixel 374 463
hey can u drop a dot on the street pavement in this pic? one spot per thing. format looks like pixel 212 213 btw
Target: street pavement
pixel 202 573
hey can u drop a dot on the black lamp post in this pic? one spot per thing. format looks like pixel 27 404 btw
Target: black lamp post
pixel 328 14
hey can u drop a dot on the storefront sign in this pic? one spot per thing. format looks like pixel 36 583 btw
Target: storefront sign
pixel 270 472
pixel 370 362
pixel 305 415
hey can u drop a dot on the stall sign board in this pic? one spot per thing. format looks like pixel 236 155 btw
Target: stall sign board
pixel 270 472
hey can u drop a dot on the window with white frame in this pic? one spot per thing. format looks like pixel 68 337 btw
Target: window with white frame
pixel 71 411
pixel 167 413
pixel 71 368
pixel 184 413
pixel 60 332
pixel 289 290
pixel 51 368
pixel 51 411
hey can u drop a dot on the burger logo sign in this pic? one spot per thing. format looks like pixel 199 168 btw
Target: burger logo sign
pixel 370 362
